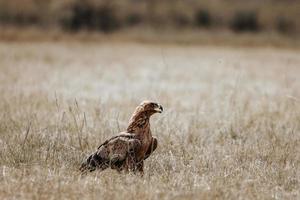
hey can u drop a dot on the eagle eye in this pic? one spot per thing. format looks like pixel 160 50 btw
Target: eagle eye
pixel 153 105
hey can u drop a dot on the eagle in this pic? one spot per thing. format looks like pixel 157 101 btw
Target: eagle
pixel 127 150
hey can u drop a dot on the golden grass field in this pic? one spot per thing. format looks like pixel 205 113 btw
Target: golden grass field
pixel 230 130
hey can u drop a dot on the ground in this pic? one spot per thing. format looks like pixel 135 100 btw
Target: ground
pixel 230 127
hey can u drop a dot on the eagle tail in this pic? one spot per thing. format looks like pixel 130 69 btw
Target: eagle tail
pixel 93 162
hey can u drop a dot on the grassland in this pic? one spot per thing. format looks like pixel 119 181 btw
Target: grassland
pixel 230 130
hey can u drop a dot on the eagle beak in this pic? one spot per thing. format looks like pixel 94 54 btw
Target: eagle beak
pixel 159 108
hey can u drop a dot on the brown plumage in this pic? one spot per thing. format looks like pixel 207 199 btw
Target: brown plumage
pixel 127 150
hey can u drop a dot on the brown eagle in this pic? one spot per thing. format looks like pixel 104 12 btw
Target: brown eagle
pixel 127 150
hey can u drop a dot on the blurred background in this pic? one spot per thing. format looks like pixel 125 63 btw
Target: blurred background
pixel 226 72
pixel 168 20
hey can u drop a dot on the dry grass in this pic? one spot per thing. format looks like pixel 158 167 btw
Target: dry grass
pixel 231 129
pixel 150 36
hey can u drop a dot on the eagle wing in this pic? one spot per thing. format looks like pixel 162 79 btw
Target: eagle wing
pixel 151 148
pixel 112 153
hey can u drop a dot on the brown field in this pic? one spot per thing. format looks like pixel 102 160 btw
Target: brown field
pixel 230 130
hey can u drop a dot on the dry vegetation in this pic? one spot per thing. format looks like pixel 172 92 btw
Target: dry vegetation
pixel 230 130
pixel 113 15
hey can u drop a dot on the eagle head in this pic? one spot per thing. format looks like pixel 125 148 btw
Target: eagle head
pixel 141 115
pixel 150 107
